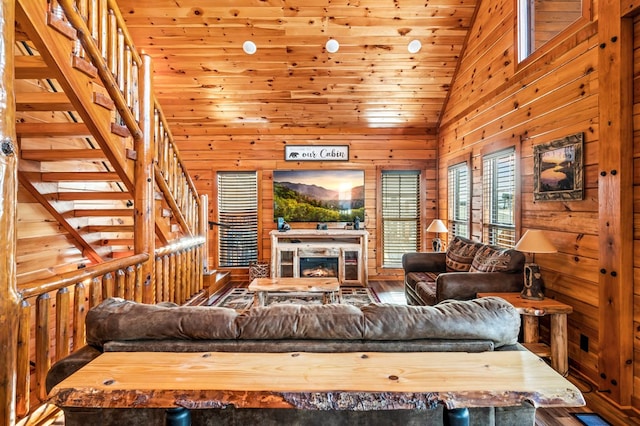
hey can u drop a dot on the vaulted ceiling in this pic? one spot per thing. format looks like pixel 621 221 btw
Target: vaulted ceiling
pixel 203 78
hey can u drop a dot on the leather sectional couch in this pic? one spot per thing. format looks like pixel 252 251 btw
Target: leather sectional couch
pixel 470 326
pixel 465 269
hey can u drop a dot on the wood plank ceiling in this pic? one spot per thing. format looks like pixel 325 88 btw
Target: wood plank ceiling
pixel 203 78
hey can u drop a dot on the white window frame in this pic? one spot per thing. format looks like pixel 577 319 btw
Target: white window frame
pixel 531 38
pixel 459 210
pixel 238 218
pixel 400 213
pixel 499 198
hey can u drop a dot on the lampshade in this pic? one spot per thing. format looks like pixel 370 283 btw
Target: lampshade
pixel 534 241
pixel 437 226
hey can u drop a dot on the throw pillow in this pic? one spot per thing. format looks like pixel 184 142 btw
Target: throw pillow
pixel 460 254
pixel 491 259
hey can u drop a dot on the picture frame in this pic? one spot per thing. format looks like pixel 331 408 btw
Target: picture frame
pixel 558 169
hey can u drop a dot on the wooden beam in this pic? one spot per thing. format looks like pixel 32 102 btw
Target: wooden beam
pixel 9 298
pixel 32 67
pixel 90 195
pixel 144 216
pixel 615 192
pixel 108 228
pixel 61 154
pixel 102 212
pixel 52 130
pixel 80 176
pixel 39 101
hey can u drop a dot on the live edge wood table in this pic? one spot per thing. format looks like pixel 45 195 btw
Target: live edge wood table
pixel 329 287
pixel 531 310
pixel 316 381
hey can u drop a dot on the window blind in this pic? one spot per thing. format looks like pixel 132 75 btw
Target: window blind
pixel 499 185
pixel 400 215
pixel 459 187
pixel 237 208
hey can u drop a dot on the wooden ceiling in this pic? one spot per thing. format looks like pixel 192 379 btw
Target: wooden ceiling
pixel 203 78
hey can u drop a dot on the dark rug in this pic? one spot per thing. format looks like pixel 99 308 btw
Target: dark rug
pixel 241 298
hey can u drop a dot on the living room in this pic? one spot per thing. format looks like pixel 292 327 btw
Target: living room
pixel 496 102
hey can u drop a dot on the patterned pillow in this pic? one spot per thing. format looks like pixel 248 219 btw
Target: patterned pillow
pixel 492 259
pixel 460 254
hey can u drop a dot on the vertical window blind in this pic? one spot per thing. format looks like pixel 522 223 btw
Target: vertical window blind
pixel 498 193
pixel 400 215
pixel 238 209
pixel 459 187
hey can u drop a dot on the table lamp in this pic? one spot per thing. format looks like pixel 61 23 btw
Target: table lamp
pixel 438 227
pixel 533 241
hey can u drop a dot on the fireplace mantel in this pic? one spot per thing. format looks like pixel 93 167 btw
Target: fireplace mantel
pixel 347 247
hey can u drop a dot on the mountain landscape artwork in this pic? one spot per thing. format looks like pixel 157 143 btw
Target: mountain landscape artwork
pixel 318 195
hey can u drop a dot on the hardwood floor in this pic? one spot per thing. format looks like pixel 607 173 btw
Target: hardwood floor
pixel 393 292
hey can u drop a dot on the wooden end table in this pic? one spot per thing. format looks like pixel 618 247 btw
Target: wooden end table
pixel 531 311
pixel 329 287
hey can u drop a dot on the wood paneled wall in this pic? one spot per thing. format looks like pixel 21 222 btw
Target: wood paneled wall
pixel 496 102
pixel 370 150
pixel 636 210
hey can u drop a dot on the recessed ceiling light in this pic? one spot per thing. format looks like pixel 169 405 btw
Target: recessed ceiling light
pixel 249 47
pixel 332 46
pixel 414 46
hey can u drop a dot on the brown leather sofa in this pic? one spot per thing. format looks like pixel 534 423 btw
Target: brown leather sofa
pixel 464 270
pixel 471 326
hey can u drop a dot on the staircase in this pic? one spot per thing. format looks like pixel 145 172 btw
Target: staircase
pixel 80 118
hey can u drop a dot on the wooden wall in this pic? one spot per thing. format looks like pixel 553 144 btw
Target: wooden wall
pixel 496 102
pixel 262 150
pixel 636 210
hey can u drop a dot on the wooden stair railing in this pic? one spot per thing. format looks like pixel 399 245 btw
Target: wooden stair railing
pixel 80 42
pixel 100 45
pixel 171 174
pixel 61 303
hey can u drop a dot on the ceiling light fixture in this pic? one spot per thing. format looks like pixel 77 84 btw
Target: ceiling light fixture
pixel 332 46
pixel 249 47
pixel 414 46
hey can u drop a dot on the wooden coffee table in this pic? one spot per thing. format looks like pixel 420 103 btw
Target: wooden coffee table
pixel 531 311
pixel 329 287
pixel 310 381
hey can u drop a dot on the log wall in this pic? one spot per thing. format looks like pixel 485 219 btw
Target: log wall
pixel 370 150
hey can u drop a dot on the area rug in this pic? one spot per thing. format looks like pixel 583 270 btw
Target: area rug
pixel 591 419
pixel 241 298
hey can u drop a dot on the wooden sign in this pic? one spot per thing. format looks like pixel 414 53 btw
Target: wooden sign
pixel 316 153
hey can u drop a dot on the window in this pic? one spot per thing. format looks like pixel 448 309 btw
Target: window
pixel 459 200
pixel 400 215
pixel 238 210
pixel 541 20
pixel 498 194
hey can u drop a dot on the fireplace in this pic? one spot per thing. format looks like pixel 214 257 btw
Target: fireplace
pixel 318 267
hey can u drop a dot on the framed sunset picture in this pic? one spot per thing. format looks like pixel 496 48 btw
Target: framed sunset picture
pixel 557 169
